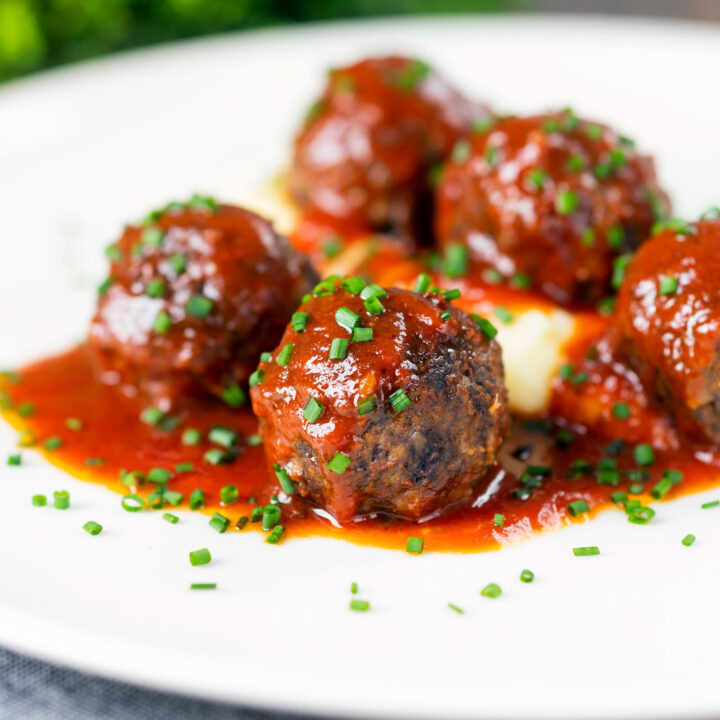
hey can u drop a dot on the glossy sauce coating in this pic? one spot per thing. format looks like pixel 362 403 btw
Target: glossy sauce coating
pixel 552 197
pixel 405 461
pixel 368 144
pixel 65 386
pixel 667 323
pixel 195 294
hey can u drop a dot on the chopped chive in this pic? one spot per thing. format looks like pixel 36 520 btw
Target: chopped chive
pixel 92 528
pixel 399 400
pixel 414 545
pixel 160 476
pixel 152 237
pixel 688 540
pixel 228 494
pixel 339 463
pixel 644 454
pixel 172 519
pixel 200 557
pixel 276 535
pixel 61 499
pixel 361 334
pixel 256 377
pixel 503 315
pixel 456 609
pixel 359 605
pixel 26 410
pixel 668 285
pixel 225 437
pixel 621 410
pixel 456 260
pixel 527 576
pixel 636 489
pixel 619 269
pixel 338 348
pixel 163 323
pixel 578 507
pixel 492 276
pixel 451 295
pixel 171 497
pixel 499 520
pixel 265 357
pixel 256 514
pixel 367 405
pixel 105 285
pixel 485 326
pixel 53 443
pixel 615 236
pixel 132 502
pixel 191 437
pixel 520 281
pixel 711 504
pixel 299 321
pixel 178 263
pixel 184 467
pixel 217 456
pixel 253 440
pixel 285 354
pixel 203 586
pixel 241 523
pixel 374 306
pixel 346 318
pixel 234 396
pixel 270 517
pixel 284 479
pixel 197 499
pixel 445 315
pixel 566 202
pixel 594 132
pixel 39 500
pixel 491 590
pixel 72 423
pixel 422 283
pixel 94 462
pixel 219 522
pixel 639 515
pixel 353 285
pixel 152 416
pixel 585 551
pixel 312 410
pixel 537 178
pixel 618 497
pixel 354 588
pixel 155 288
pixel 575 163
pixel 199 306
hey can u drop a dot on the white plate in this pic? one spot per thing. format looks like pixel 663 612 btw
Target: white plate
pixel 630 633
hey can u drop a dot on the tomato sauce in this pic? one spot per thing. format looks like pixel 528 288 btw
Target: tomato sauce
pixel 65 386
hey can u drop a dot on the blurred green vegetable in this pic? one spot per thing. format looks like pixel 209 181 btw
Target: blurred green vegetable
pixel 35 34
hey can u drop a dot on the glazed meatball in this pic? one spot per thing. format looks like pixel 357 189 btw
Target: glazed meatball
pixel 552 197
pixel 667 323
pixel 194 296
pixel 367 147
pixel 393 404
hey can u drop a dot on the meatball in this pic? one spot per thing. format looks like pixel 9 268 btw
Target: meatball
pixel 368 145
pixel 552 197
pixel 382 402
pixel 194 296
pixel 667 323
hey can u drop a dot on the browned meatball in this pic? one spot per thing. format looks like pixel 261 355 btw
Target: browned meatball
pixel 551 197
pixel 393 404
pixel 367 146
pixel 194 296
pixel 667 322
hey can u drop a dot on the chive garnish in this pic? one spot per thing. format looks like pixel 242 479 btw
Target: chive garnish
pixel 276 535
pixel 200 557
pixel 132 502
pixel 354 588
pixel 39 500
pixel 163 323
pixel 203 586
pixel 668 285
pixel 711 504
pixel 270 517
pixel 621 410
pixel 256 377
pixel 185 467
pixel 456 609
pixel 422 283
pixel 488 329
pixel 219 522
pixel 92 528
pixel 353 285
pixel 299 321
pixel 61 499
pixel 199 306
pixel 225 437
pixel 160 476
pixel 155 288
pixel 399 400
pixel 644 454
pixel 234 396
pixel 285 354
pixel 527 576
pixel 228 494
pixel 217 456
pixel 566 202
pixel 456 260
pixel 367 405
pixel 491 590
pixel 172 519
pixel 312 410
pixel 585 551
pixel 578 507
pixel 338 348
pixel 191 437
pixel 197 499
pixel 359 605
pixel 688 540
pixel 374 306
pixel 241 522
pixel 362 334
pixel 284 479
pixel 346 318
pixel 414 545
pixel 339 463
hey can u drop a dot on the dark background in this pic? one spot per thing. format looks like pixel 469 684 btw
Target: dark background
pixel 35 34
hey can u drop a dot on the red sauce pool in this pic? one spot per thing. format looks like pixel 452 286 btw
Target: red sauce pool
pixel 64 386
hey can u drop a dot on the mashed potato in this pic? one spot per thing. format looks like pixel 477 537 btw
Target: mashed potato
pixel 533 342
